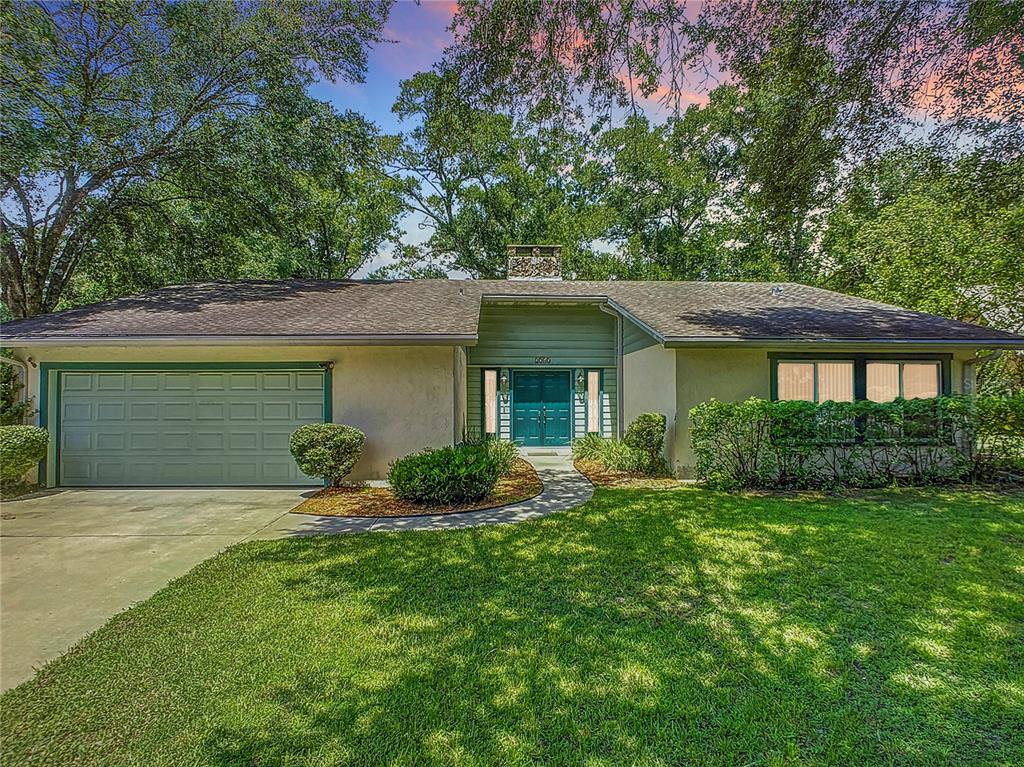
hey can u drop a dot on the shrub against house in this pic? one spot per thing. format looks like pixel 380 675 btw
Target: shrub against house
pixel 795 444
pixel 640 452
pixel 21 448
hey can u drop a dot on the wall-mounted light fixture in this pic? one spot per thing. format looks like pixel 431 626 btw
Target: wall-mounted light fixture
pixel 581 386
pixel 503 387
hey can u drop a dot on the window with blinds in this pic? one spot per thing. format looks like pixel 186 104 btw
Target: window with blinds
pixel 814 381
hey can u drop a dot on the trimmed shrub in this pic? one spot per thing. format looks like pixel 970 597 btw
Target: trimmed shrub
pixel 327 450
pixel 794 445
pixel 21 448
pixel 646 435
pixel 445 477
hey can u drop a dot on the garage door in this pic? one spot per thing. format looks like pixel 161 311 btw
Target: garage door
pixel 128 428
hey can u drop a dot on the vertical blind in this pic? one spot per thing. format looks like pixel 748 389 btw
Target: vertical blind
pixel 491 401
pixel 815 381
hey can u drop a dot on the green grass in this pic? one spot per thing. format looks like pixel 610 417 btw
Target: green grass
pixel 648 628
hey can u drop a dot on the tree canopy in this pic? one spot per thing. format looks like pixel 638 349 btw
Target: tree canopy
pixel 103 98
pixel 874 148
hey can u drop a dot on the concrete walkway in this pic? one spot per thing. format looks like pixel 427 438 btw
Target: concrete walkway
pixel 564 488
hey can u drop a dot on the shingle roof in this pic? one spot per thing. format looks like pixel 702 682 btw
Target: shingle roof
pixel 448 310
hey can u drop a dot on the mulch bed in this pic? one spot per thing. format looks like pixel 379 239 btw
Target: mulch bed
pixel 359 501
pixel 12 490
pixel 601 476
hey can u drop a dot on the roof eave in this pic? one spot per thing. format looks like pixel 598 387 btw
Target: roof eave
pixel 796 343
pixel 391 339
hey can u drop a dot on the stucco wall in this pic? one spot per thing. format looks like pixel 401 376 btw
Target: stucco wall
pixel 403 397
pixel 730 375
pixel 649 386
pixel 725 374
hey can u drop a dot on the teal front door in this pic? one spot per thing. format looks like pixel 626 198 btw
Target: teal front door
pixel 542 408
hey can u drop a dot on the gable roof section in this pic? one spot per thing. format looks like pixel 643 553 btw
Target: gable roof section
pixel 447 311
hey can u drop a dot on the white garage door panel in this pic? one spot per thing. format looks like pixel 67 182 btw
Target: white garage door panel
pixel 185 428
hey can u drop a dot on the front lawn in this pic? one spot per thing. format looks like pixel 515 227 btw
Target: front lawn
pixel 648 627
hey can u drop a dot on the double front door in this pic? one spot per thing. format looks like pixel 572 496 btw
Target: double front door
pixel 542 407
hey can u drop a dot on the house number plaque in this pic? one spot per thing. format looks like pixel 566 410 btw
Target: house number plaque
pixel 541 360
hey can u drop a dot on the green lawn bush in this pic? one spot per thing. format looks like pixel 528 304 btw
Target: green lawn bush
pixel 327 450
pixel 21 448
pixel 793 445
pixel 646 435
pixel 452 475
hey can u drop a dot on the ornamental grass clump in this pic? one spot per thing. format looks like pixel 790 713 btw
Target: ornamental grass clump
pixel 503 451
pixel 21 448
pixel 638 453
pixel 446 477
pixel 327 450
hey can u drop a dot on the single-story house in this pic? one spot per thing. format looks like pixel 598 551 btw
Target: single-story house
pixel 202 384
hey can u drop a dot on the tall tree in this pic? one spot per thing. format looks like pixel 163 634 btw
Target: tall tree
pixel 936 235
pixel 296 194
pixel 673 192
pixel 959 58
pixel 103 97
pixel 480 180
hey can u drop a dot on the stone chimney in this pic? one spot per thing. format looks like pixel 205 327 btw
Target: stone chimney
pixel 535 262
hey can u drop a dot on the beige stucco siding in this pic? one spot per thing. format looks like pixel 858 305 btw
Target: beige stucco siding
pixel 649 386
pixel 722 374
pixel 731 375
pixel 404 398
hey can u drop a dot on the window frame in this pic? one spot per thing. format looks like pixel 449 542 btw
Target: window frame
pixel 901 362
pixel 860 367
pixel 815 388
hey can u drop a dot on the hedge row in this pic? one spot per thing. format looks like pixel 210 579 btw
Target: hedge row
pixel 792 445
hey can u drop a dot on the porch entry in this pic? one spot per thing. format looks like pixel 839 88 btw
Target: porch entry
pixel 542 408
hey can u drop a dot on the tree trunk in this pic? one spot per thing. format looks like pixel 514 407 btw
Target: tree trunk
pixel 24 282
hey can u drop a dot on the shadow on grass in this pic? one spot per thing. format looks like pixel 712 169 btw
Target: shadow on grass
pixel 659 628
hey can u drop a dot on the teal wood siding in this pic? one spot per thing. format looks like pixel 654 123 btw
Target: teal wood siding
pixel 475 411
pixel 609 400
pixel 635 338
pixel 571 336
pixel 474 403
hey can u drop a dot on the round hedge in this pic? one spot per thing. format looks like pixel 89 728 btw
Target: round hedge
pixel 327 450
pixel 21 448
pixel 445 477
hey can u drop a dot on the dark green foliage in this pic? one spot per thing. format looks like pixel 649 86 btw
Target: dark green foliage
pixel 646 435
pixel 616 455
pixel 445 477
pixel 127 109
pixel 13 410
pixel 503 451
pixel 21 448
pixel 782 445
pixel 327 450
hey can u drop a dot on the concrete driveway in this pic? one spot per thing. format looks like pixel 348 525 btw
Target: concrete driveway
pixel 71 560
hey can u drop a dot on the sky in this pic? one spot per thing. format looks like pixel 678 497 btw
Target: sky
pixel 420 33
